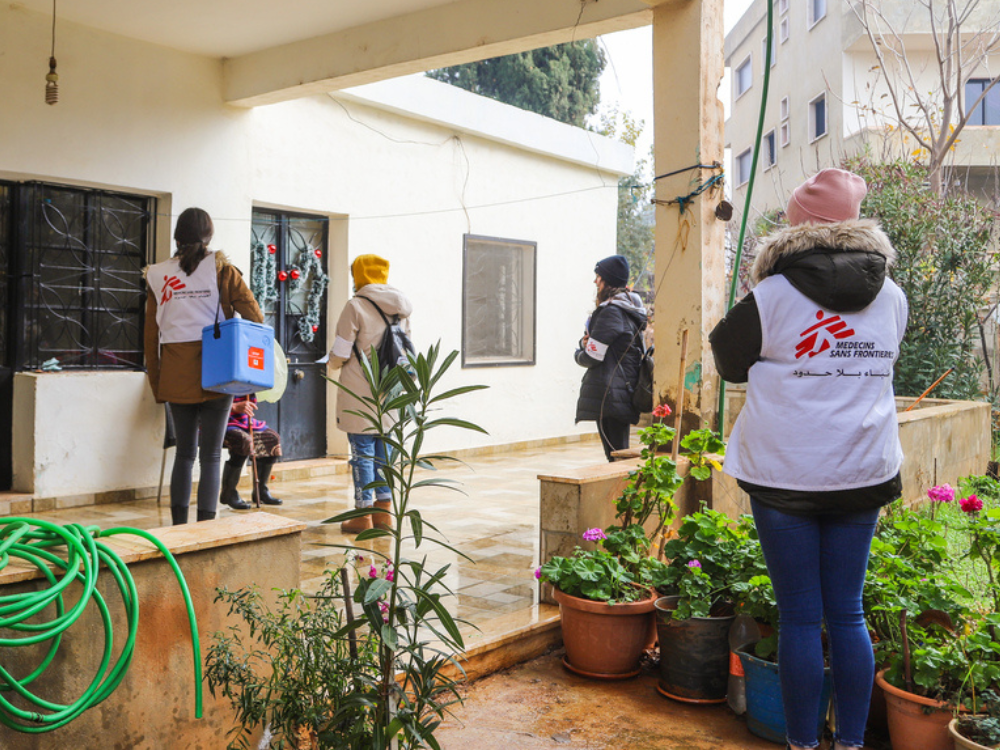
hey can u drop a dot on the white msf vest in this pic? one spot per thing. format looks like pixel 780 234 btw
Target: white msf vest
pixel 820 412
pixel 184 304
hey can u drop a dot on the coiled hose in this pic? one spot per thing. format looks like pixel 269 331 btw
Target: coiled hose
pixel 34 542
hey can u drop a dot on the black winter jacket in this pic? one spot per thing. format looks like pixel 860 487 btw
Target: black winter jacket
pixel 606 391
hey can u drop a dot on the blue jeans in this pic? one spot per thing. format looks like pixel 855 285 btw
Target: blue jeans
pixel 368 454
pixel 817 565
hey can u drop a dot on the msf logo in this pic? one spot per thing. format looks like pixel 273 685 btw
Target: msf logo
pixel 816 339
pixel 170 285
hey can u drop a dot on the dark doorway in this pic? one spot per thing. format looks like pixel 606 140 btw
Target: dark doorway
pixel 288 278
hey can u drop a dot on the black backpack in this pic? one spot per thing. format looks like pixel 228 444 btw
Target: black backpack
pixel 642 394
pixel 395 345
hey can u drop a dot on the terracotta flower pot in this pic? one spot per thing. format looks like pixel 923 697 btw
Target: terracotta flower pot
pixel 915 722
pixel 603 641
pixel 962 742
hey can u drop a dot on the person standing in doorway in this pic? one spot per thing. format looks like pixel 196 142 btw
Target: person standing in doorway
pixel 186 293
pixel 359 329
pixel 611 350
pixel 816 445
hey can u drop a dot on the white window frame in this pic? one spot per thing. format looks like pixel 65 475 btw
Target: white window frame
pixel 763 51
pixel 770 144
pixel 783 27
pixel 488 339
pixel 741 179
pixel 784 108
pixel 782 7
pixel 785 133
pixel 814 19
pixel 747 63
pixel 814 135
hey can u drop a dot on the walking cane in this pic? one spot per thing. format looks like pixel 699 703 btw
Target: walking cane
pixel 253 468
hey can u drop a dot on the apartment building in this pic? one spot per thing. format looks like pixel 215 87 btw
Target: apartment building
pixel 827 96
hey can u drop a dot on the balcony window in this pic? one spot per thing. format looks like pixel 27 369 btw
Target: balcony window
pixel 988 111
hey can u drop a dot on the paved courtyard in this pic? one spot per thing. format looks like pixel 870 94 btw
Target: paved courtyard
pixel 493 521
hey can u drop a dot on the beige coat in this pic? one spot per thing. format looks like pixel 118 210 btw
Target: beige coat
pixel 361 324
pixel 174 370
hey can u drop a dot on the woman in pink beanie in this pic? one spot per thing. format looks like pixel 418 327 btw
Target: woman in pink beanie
pixel 816 445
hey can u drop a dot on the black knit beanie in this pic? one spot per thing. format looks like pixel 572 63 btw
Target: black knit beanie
pixel 614 271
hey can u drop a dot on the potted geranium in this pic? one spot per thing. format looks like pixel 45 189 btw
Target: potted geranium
pixel 947 657
pixel 605 594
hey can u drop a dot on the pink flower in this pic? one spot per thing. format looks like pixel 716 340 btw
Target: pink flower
pixel 373 571
pixel 971 504
pixel 694 564
pixel 389 575
pixel 538 573
pixel 383 607
pixel 942 493
pixel 594 535
pixel 662 411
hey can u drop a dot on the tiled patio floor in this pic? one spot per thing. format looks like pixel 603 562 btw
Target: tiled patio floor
pixel 494 523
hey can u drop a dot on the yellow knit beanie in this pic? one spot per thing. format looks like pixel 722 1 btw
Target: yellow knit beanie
pixel 369 269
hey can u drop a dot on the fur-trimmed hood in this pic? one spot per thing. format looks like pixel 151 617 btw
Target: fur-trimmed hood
pixel 840 266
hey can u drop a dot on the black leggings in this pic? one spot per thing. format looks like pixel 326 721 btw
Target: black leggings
pixel 614 435
pixel 211 416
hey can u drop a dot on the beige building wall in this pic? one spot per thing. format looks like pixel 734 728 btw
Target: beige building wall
pixel 398 181
pixel 835 55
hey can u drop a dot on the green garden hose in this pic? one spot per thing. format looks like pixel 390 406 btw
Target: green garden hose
pixel 33 541
pixel 746 206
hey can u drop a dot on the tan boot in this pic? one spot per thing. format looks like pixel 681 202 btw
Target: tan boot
pixel 357 525
pixel 383 520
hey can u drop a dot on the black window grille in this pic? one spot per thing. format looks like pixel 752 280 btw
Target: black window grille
pixel 76 257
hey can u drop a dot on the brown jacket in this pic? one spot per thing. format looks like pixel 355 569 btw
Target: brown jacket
pixel 174 370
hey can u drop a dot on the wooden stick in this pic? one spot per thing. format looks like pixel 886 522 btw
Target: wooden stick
pixel 352 638
pixel 933 386
pixel 679 412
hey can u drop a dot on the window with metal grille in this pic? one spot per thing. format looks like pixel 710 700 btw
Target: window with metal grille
pixel 498 302
pixel 75 257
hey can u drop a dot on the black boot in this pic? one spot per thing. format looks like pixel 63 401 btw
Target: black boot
pixel 264 466
pixel 178 514
pixel 230 478
pixel 206 515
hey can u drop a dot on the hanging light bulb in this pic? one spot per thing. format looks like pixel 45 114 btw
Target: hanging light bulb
pixel 52 83
pixel 52 79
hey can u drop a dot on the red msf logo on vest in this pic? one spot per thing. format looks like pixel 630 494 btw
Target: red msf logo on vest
pixel 170 284
pixel 816 339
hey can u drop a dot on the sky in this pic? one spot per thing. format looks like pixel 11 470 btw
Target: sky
pixel 628 78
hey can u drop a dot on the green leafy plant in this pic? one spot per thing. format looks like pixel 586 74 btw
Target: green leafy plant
pixel 699 447
pixel 622 567
pixel 415 637
pixel 983 726
pixel 709 554
pixel 393 686
pixel 755 597
pixel 286 672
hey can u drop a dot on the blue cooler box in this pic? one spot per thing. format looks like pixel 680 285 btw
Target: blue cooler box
pixel 240 361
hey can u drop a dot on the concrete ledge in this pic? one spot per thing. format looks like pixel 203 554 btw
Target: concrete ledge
pixel 154 705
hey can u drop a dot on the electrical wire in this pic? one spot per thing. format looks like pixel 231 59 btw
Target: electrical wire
pixel 746 205
pixel 34 542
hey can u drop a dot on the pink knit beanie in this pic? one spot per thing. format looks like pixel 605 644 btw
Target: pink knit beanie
pixel 829 196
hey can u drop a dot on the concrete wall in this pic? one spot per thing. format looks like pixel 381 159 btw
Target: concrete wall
pixel 154 707
pixel 402 184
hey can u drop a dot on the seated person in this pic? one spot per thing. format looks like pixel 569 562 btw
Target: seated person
pixel 266 446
